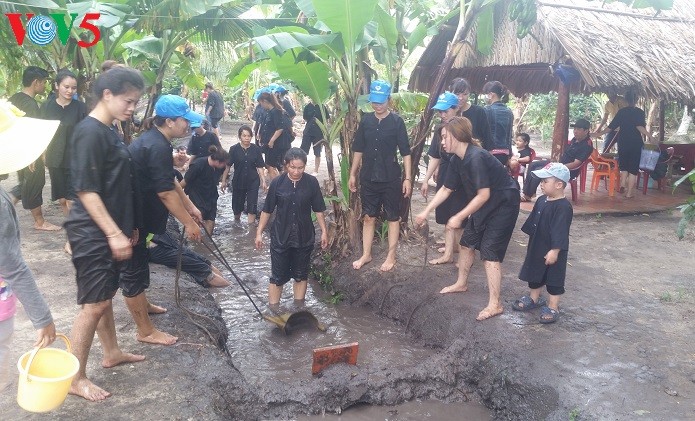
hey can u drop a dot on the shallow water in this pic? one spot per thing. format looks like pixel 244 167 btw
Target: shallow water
pixel 409 411
pixel 261 351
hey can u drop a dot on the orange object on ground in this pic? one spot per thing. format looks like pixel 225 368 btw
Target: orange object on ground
pixel 604 167
pixel 344 353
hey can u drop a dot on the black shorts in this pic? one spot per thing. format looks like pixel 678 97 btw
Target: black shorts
pixel 450 207
pixel 552 289
pixel 376 195
pixel 493 239
pixel 246 196
pixel 214 122
pixel 192 263
pixel 308 141
pixel 32 185
pixel 289 262
pixel 97 273
pixel 135 276
pixel 60 183
pixel 274 156
pixel 209 214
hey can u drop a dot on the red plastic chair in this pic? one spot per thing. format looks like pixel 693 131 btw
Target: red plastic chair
pixel 582 182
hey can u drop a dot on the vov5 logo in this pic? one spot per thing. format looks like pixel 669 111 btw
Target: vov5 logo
pixel 41 30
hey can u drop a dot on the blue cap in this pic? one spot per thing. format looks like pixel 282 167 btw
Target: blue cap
pixel 174 106
pixel 278 89
pixel 446 101
pixel 554 169
pixel 259 92
pixel 197 123
pixel 379 91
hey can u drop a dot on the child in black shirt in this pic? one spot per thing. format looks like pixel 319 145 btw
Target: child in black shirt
pixel 526 155
pixel 548 227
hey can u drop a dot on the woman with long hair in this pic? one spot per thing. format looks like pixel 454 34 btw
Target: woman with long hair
pixel 490 214
pixel 501 120
pixel 292 196
pixel 247 160
pixel 200 183
pixel 273 136
pixel 69 111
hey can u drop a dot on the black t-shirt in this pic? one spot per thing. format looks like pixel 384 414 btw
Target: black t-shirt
pixel 153 166
pixel 26 103
pixel 58 152
pixel 101 164
pixel 479 169
pixel 201 183
pixel 258 117
pixel 287 105
pixel 437 151
pixel 628 119
pixel 580 150
pixel 199 145
pixel 215 101
pixel 525 153
pixel 272 122
pixel 481 126
pixel 378 141
pixel 245 163
pixel 294 203
pixel 311 114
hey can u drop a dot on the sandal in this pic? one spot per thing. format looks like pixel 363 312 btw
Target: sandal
pixel 547 311
pixel 526 303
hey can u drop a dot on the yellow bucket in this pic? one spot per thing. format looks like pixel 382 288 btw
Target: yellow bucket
pixel 45 375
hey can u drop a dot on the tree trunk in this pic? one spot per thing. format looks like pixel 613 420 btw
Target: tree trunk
pixel 653 115
pixel 561 122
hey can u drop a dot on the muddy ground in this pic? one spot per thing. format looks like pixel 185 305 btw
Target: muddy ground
pixel 622 349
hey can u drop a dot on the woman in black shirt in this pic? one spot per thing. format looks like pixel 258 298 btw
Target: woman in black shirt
pixel 273 138
pixel 292 196
pixel 491 211
pixel 201 140
pixel 69 111
pixel 200 183
pixel 247 160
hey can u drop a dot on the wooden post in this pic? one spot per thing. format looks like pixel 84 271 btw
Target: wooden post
pixel 662 120
pixel 562 122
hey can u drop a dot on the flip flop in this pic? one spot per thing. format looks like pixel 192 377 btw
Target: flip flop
pixel 547 311
pixel 526 303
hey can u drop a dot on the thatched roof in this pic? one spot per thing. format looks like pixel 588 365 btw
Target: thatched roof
pixel 613 46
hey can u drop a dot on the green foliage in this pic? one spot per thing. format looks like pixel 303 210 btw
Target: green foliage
pixel 323 273
pixel 574 414
pixel 540 112
pixel 688 209
pixel 383 231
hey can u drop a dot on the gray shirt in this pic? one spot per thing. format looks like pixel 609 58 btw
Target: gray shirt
pixel 14 269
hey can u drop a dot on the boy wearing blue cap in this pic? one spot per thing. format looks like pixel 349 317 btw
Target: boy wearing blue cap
pixel 548 227
pixel 379 135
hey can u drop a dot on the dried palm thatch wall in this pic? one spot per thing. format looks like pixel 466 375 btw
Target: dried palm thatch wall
pixel 611 47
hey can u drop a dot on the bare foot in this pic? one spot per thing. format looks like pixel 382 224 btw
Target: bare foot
pixel 154 309
pixel 488 312
pixel 47 226
pixel 454 288
pixel 441 249
pixel 357 264
pixel 88 390
pixel 388 265
pixel 218 282
pixel 68 249
pixel 123 358
pixel 442 260
pixel 158 338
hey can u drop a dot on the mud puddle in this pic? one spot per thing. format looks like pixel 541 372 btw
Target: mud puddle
pixel 264 355
pixel 409 411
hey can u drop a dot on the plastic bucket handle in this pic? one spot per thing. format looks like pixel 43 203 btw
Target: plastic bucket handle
pixel 25 373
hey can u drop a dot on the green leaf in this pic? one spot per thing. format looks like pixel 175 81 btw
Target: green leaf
pixel 348 17
pixel 281 42
pixel 486 30
pixel 48 4
pixel 416 37
pixel 241 71
pixel 307 7
pixel 387 25
pixel 345 177
pixel 311 78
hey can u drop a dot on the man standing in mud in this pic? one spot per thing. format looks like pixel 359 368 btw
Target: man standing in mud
pixel 379 135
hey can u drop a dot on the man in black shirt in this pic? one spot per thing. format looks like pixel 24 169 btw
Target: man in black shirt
pixel 32 178
pixel 378 136
pixel 214 107
pixel 578 151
